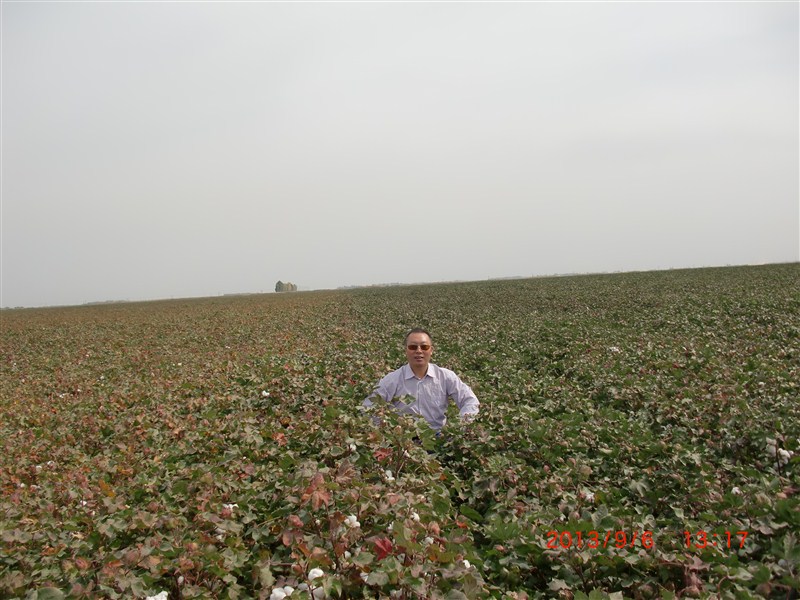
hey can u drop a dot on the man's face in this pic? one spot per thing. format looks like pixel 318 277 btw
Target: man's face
pixel 419 350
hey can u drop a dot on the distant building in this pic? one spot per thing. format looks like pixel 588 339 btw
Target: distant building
pixel 285 287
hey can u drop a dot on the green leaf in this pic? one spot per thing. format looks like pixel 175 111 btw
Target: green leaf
pixel 49 593
pixel 378 578
pixel 363 558
pixel 471 513
pixel 265 577
pixel 599 515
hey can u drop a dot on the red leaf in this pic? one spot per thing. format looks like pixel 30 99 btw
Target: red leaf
pixel 383 547
pixel 382 453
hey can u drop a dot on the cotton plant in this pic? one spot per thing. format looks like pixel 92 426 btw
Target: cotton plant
pixel 782 456
pixel 312 585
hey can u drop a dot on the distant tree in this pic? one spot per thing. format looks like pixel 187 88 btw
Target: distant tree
pixel 279 286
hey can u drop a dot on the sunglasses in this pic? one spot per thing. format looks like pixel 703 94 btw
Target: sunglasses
pixel 423 347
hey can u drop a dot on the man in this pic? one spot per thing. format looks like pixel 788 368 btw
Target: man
pixel 429 385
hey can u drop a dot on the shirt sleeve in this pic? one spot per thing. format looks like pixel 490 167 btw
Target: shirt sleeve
pixel 462 395
pixel 383 391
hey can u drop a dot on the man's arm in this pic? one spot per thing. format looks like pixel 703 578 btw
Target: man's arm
pixel 463 396
pixel 385 390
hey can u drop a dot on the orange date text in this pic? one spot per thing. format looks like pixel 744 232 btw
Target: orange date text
pixel 599 539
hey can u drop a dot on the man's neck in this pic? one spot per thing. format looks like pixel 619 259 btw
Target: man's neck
pixel 420 372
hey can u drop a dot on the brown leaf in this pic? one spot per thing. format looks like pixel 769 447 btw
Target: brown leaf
pixel 345 473
pixel 320 556
pixel 393 499
pixel 320 497
pixel 295 521
pixel 106 489
pixel 317 497
pixel 382 454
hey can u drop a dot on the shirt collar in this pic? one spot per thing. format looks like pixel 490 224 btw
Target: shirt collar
pixel 409 374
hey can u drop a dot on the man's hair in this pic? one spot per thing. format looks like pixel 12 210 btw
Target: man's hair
pixel 417 330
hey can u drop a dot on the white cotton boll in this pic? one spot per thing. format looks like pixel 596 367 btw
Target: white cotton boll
pixel 784 456
pixel 589 496
pixel 181 580
pixel 230 506
pixel 427 541
pixel 318 593
pixel 277 594
pixel 347 555
pixel 466 564
pixel 159 596
pixel 415 517
pixel 315 574
pixel 771 450
pixel 364 577
pixel 388 475
pixel 264 394
pixel 353 447
pixel 352 522
pixel 288 589
pixel 302 587
pixel 736 491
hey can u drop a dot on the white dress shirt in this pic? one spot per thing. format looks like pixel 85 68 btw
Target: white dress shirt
pixel 430 393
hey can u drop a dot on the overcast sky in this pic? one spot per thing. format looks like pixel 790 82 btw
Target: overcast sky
pixel 158 150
